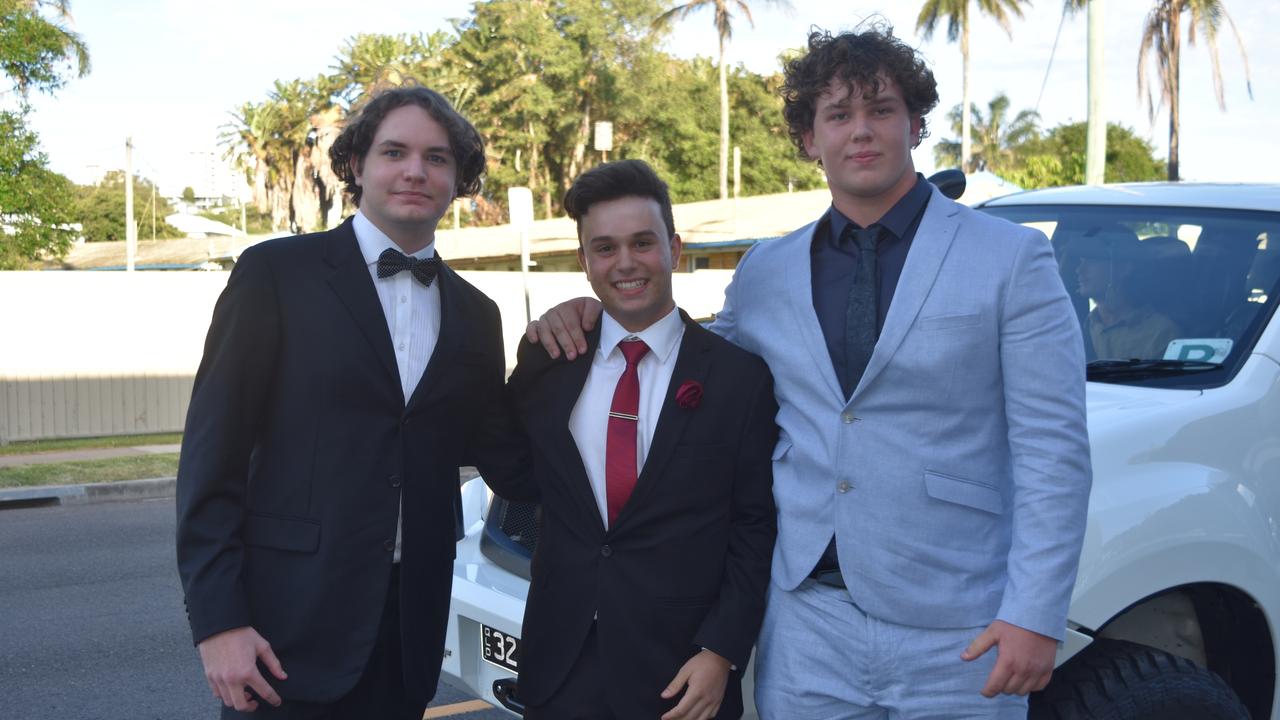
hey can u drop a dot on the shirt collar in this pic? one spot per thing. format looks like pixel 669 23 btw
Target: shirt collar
pixel 899 217
pixel 373 241
pixel 662 337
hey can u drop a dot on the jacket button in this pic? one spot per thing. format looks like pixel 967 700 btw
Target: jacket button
pixel 404 421
pixel 844 486
pixel 606 551
pixel 847 418
pixel 389 545
pixel 394 480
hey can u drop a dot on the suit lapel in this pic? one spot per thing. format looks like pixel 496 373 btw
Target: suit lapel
pixel 924 259
pixel 351 282
pixel 562 387
pixel 799 273
pixel 693 363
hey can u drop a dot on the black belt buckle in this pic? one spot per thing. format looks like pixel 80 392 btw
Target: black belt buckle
pixel 830 578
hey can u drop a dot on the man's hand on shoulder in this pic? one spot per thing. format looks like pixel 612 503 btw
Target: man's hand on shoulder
pixel 230 665
pixel 565 326
pixel 1024 659
pixel 706 675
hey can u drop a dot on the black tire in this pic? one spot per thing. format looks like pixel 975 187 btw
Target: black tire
pixel 1119 680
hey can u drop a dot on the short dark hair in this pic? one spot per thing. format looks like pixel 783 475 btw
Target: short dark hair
pixel 618 179
pixel 357 136
pixel 859 58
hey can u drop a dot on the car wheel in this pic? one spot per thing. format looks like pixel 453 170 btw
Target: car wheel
pixel 1119 680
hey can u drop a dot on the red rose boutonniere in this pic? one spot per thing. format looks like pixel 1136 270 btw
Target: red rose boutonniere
pixel 689 396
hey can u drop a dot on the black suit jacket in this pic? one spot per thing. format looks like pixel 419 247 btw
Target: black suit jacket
pixel 299 448
pixel 686 565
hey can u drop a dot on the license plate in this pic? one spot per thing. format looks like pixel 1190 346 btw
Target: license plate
pixel 500 648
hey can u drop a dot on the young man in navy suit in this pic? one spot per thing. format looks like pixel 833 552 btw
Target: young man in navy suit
pixel 651 459
pixel 932 471
pixel 338 395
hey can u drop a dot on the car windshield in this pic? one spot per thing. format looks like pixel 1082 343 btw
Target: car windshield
pixel 1172 297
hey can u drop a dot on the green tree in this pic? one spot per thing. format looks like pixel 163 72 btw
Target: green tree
pixel 101 208
pixel 959 20
pixel 37 52
pixel 1162 40
pixel 994 136
pixel 188 195
pixel 723 11
pixel 1058 157
pixel 36 218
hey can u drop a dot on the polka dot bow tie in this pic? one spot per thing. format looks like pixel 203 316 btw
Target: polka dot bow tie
pixel 392 261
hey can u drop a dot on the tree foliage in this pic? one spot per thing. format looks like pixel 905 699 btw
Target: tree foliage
pixel 534 76
pixel 37 52
pixel 1058 158
pixel 36 217
pixel 101 209
pixel 1162 43
pixel 1018 151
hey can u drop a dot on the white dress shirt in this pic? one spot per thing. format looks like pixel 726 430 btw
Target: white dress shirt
pixel 589 422
pixel 412 312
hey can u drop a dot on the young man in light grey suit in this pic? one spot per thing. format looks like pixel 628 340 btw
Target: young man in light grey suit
pixel 932 473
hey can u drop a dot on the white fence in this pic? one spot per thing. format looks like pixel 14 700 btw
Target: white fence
pixel 113 353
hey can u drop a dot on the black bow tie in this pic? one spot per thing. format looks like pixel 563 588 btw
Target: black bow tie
pixel 392 261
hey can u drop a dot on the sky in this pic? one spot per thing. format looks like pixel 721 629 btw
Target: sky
pixel 168 73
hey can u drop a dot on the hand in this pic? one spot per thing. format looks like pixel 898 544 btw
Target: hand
pixel 1024 661
pixel 230 664
pixel 565 326
pixel 706 674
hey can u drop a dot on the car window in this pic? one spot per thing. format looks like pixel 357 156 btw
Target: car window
pixel 1164 296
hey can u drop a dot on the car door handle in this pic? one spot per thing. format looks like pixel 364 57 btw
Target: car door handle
pixel 505 690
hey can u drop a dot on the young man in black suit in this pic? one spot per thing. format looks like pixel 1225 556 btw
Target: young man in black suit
pixel 651 454
pixel 338 395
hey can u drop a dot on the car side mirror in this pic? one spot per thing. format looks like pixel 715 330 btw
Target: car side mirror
pixel 950 182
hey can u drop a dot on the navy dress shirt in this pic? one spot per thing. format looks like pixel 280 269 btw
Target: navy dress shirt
pixel 832 263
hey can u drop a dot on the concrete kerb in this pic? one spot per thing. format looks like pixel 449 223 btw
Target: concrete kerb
pixel 85 494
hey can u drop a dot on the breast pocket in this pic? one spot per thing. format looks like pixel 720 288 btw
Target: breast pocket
pixel 962 491
pixel 948 321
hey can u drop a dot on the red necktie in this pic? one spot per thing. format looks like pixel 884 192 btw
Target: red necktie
pixel 620 464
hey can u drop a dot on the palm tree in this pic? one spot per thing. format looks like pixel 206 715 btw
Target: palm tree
pixel 50 39
pixel 1162 38
pixel 957 15
pixel 996 137
pixel 724 10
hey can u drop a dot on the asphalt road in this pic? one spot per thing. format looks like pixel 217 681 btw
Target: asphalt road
pixel 91 619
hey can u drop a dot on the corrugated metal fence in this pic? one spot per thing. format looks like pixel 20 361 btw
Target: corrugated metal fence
pixel 38 408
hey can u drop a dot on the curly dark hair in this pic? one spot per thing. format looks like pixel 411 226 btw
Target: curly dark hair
pixel 356 138
pixel 610 181
pixel 861 58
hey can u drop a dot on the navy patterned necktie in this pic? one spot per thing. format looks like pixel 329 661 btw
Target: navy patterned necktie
pixel 862 313
pixel 392 261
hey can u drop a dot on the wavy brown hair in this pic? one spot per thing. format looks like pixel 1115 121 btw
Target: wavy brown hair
pixel 861 59
pixel 356 138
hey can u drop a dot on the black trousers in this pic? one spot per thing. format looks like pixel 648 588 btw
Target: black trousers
pixel 379 694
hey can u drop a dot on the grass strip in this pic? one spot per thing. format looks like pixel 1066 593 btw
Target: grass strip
pixel 134 467
pixel 27 447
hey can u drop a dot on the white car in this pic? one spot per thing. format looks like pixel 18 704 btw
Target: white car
pixel 1176 610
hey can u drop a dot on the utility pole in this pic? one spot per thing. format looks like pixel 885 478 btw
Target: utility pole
pixel 1096 135
pixel 153 212
pixel 130 228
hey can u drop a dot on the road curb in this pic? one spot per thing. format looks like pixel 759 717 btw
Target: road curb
pixel 87 494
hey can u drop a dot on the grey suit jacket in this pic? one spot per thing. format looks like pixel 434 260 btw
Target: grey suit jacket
pixel 956 477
